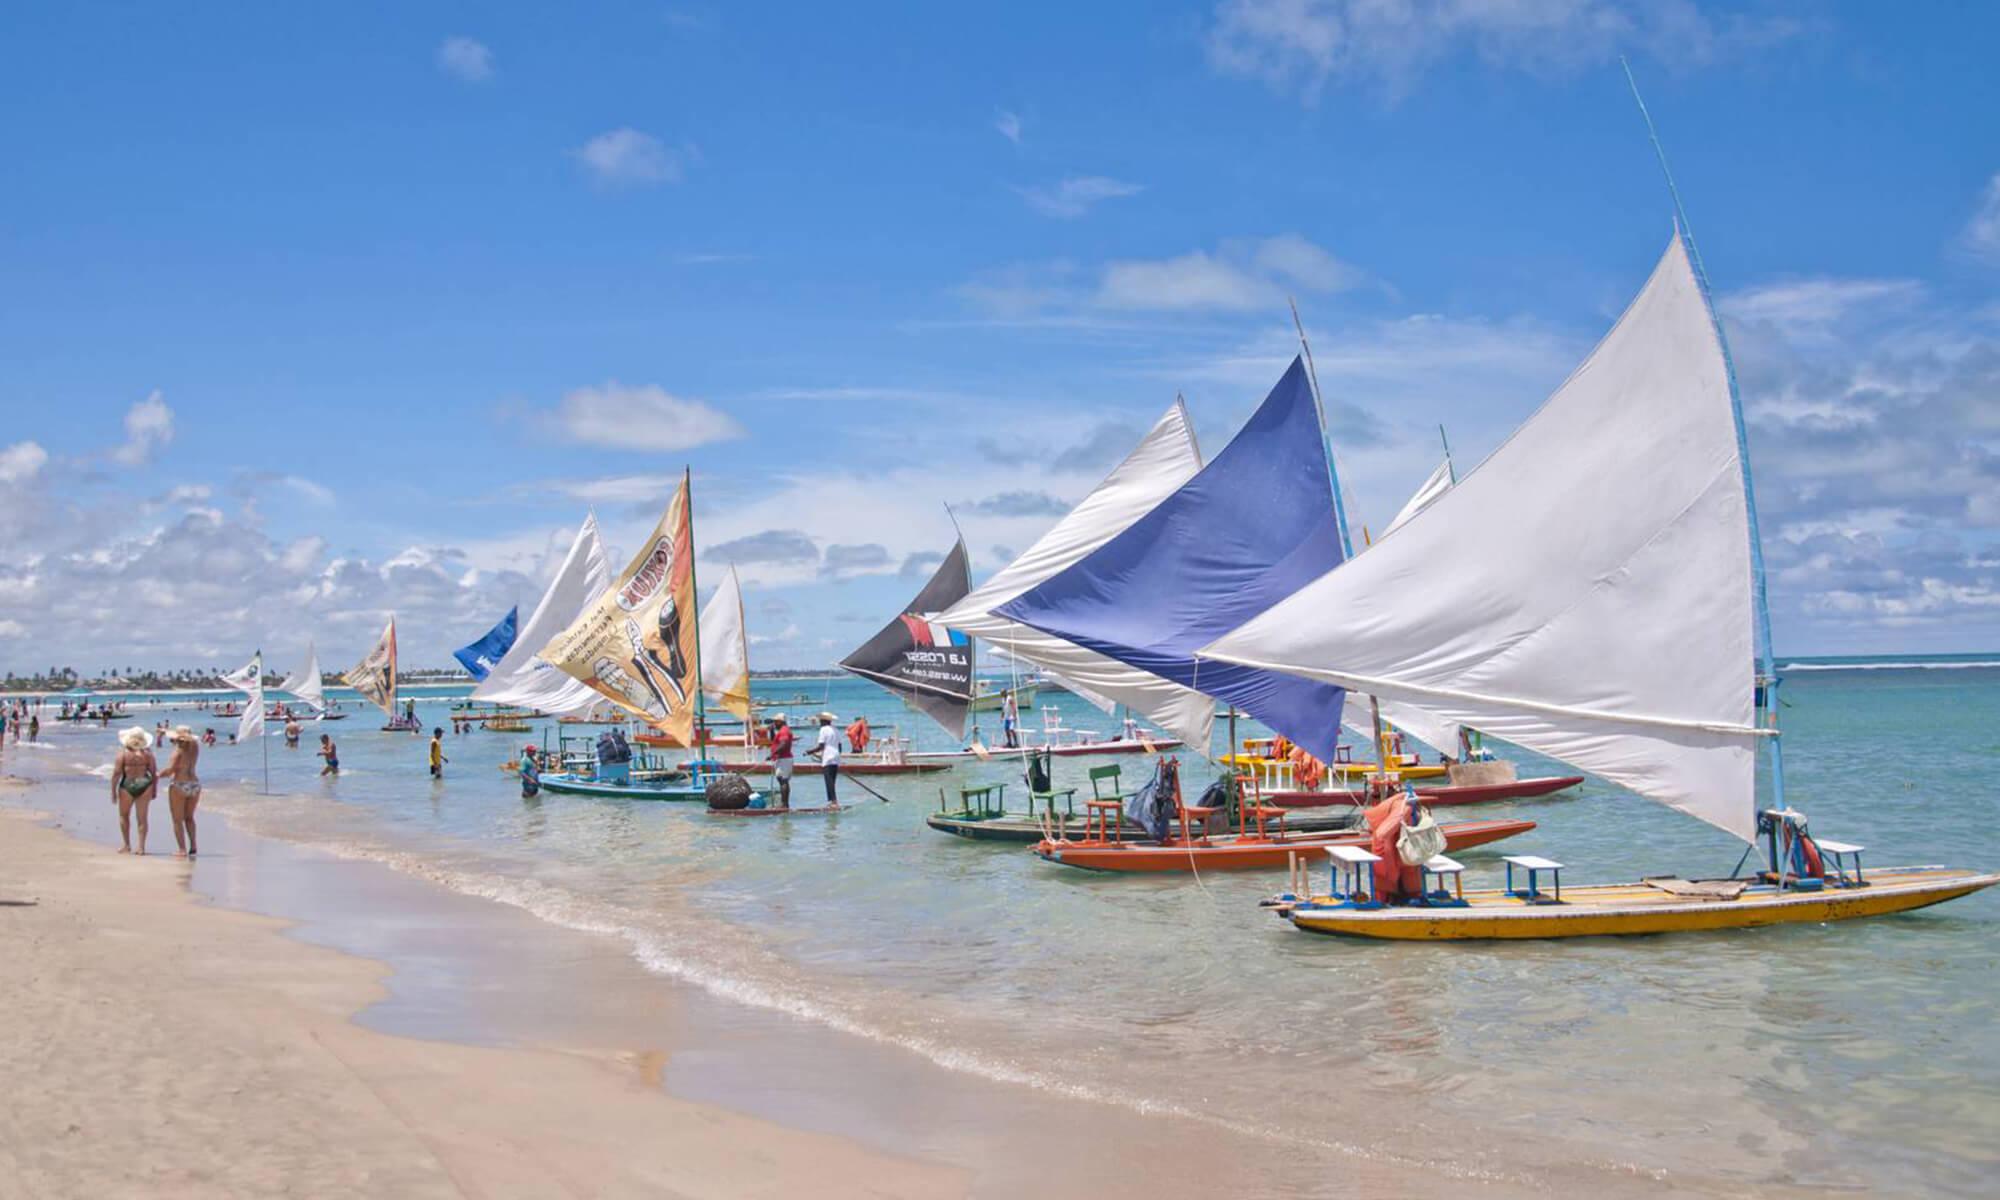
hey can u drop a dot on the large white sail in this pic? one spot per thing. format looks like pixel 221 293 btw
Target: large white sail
pixel 305 682
pixel 521 678
pixel 1437 485
pixel 1157 467
pixel 725 648
pixel 1587 591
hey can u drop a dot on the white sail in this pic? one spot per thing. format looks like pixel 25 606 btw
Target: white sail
pixel 1437 485
pixel 725 648
pixel 1587 591
pixel 249 680
pixel 305 682
pixel 524 680
pixel 1164 460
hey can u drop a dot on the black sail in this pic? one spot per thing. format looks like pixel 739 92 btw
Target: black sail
pixel 928 665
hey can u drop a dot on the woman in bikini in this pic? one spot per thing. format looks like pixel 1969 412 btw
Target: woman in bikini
pixel 135 778
pixel 184 789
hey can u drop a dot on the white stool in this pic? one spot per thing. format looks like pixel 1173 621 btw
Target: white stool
pixel 1442 868
pixel 1534 865
pixel 1352 860
pixel 1846 856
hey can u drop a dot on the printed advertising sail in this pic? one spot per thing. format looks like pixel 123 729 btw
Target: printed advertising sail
pixel 482 656
pixel 928 664
pixel 375 676
pixel 637 645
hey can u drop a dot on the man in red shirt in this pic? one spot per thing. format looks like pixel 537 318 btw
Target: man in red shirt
pixel 781 758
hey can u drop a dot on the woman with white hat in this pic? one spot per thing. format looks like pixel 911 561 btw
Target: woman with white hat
pixel 184 789
pixel 135 778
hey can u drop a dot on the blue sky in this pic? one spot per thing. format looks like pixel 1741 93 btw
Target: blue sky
pixel 309 315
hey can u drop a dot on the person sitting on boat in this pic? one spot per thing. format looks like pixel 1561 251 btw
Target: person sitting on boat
pixel 857 735
pixel 781 758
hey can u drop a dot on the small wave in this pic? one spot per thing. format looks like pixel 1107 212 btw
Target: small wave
pixel 1954 665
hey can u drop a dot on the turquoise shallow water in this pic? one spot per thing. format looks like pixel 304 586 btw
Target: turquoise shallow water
pixel 1864 1054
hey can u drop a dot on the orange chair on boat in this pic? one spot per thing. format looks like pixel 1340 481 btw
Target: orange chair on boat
pixel 1187 813
pixel 1104 812
pixel 1250 806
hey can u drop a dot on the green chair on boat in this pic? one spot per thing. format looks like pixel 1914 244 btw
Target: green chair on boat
pixel 1042 789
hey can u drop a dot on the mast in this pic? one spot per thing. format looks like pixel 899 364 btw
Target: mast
pixel 1332 473
pixel 1767 671
pixel 700 737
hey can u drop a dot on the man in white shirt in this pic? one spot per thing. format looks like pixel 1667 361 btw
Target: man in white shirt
pixel 827 750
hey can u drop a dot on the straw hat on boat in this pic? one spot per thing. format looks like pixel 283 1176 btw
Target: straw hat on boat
pixel 135 738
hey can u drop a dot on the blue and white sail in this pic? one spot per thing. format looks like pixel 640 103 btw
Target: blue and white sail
pixel 1587 591
pixel 1246 532
pixel 1164 459
pixel 482 656
pixel 522 678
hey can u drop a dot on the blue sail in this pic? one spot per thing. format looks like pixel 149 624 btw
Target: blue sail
pixel 480 656
pixel 1252 527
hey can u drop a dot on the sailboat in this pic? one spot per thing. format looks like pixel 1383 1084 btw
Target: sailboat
pixel 638 646
pixel 522 679
pixel 1605 607
pixel 375 678
pixel 306 684
pixel 926 663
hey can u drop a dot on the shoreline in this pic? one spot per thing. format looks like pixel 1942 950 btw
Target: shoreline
pixel 424 966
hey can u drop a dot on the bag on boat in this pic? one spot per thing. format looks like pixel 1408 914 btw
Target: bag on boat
pixel 1418 844
pixel 728 792
pixel 1040 778
pixel 1148 807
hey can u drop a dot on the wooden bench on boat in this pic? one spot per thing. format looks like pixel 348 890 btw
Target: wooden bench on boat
pixel 1534 865
pixel 1842 857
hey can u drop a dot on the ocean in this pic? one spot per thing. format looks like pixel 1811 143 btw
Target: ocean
pixel 1860 1055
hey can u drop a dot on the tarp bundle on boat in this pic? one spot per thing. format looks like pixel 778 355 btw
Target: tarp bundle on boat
pixel 1246 532
pixel 926 662
pixel 1599 607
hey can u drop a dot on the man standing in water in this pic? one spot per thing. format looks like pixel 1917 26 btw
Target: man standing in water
pixel 331 753
pixel 828 752
pixel 438 760
pixel 781 758
pixel 135 779
pixel 291 733
pixel 184 790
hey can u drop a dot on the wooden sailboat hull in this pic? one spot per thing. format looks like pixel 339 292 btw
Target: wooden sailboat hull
pixel 991 701
pixel 1026 830
pixel 1437 797
pixel 1226 854
pixel 1625 909
pixel 637 790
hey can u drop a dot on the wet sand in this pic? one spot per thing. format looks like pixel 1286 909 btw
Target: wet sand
pixel 404 1039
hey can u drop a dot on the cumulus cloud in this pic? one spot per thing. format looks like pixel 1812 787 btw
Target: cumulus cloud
pixel 21 462
pixel 1241 274
pixel 1303 45
pixel 1808 305
pixel 613 489
pixel 465 59
pixel 919 564
pixel 776 546
pixel 867 558
pixel 627 156
pixel 1018 504
pixel 149 426
pixel 1982 233
pixel 1075 195
pixel 641 418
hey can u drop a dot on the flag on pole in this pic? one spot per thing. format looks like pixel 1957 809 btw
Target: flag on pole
pixel 250 680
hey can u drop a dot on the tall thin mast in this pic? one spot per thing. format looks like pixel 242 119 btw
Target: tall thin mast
pixel 700 735
pixel 1767 669
pixel 1319 406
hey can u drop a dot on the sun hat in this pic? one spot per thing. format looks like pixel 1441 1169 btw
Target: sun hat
pixel 779 719
pixel 135 738
pixel 827 716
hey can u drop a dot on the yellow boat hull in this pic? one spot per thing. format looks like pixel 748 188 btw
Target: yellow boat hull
pixel 1625 909
pixel 1343 771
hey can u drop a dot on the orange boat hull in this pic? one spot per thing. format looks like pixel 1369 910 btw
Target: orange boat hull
pixel 1244 853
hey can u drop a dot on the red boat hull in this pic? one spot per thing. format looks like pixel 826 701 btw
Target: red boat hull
pixel 1436 797
pixel 1231 854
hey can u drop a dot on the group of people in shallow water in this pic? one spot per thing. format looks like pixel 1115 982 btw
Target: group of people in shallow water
pixel 17 718
pixel 136 779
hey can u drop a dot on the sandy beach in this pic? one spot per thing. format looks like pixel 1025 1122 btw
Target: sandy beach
pixel 177 1049
pixel 180 1046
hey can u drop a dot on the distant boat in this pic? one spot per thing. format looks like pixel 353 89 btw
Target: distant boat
pixel 990 697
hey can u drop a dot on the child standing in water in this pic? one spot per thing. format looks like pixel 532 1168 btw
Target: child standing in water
pixel 438 760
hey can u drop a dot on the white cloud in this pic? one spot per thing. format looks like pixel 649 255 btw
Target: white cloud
pixel 628 156
pixel 790 633
pixel 149 426
pixel 614 489
pixel 12 629
pixel 1239 275
pixel 641 418
pixel 1982 233
pixel 21 462
pixel 1805 305
pixel 1008 125
pixel 465 59
pixel 1075 195
pixel 1304 44
pixel 317 493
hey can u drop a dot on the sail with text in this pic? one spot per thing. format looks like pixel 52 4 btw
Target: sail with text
pixel 482 656
pixel 924 661
pixel 637 645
